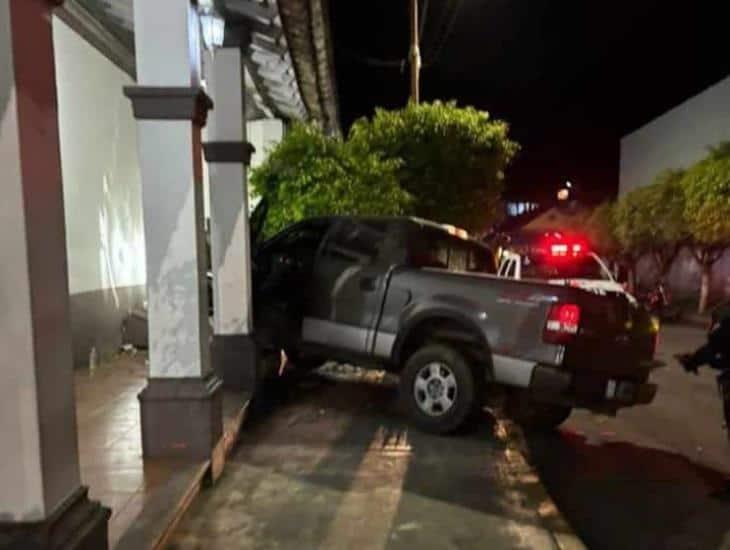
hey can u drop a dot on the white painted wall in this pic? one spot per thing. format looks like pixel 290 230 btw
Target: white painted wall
pixel 264 135
pixel 101 181
pixel 676 139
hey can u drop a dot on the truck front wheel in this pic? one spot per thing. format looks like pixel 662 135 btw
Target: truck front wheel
pixel 438 389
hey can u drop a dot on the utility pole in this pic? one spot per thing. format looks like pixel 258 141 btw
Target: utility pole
pixel 415 54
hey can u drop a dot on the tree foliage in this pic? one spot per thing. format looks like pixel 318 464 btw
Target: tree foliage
pixel 706 186
pixel 451 159
pixel 311 174
pixel 650 220
pixel 707 207
pixel 436 161
pixel 600 228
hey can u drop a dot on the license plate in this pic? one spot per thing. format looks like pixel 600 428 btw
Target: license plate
pixel 624 391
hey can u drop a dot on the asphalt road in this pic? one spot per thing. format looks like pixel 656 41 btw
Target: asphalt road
pixel 644 478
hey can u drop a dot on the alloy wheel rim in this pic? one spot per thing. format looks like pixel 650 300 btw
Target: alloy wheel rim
pixel 435 389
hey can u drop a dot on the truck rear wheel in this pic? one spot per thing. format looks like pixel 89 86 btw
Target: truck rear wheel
pixel 535 416
pixel 438 389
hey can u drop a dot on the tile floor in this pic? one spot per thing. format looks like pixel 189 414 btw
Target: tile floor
pixel 141 493
pixel 110 446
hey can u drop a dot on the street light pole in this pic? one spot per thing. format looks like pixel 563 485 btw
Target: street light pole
pixel 415 54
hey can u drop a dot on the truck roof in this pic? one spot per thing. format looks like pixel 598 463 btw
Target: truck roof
pixel 411 219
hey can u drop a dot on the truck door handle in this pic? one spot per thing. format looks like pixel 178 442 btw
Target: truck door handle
pixel 368 284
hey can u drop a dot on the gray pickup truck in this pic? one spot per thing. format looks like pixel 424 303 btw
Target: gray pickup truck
pixel 412 297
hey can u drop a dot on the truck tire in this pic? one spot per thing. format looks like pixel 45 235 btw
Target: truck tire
pixel 534 416
pixel 438 389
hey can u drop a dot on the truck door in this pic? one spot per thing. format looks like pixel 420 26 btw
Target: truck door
pixel 282 275
pixel 348 287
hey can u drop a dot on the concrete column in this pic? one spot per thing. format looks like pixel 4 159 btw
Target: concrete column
pixel 228 154
pixel 42 502
pixel 181 405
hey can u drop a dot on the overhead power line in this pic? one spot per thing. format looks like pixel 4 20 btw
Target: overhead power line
pixel 373 61
pixel 448 22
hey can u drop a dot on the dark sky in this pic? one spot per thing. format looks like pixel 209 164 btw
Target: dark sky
pixel 570 76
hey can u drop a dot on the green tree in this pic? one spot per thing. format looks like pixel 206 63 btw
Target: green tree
pixel 665 212
pixel 633 240
pixel 707 212
pixel 451 159
pixel 650 220
pixel 311 174
pixel 602 230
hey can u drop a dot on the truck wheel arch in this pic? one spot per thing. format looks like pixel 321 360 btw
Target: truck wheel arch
pixel 444 326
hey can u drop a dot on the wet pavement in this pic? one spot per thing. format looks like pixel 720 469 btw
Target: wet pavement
pixel 333 464
pixel 644 479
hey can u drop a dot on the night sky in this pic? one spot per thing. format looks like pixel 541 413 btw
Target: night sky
pixel 570 76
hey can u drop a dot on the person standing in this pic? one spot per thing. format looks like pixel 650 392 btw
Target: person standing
pixel 715 353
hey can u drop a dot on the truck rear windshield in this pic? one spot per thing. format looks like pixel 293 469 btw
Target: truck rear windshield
pixel 431 247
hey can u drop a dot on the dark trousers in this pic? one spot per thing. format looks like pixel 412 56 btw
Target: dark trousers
pixel 723 385
pixel 708 355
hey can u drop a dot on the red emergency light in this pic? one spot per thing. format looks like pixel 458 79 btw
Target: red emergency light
pixel 557 246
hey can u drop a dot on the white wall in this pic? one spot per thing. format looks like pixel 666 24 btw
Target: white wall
pixel 101 181
pixel 263 135
pixel 676 139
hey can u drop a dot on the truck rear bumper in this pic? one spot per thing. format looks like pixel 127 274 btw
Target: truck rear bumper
pixel 596 391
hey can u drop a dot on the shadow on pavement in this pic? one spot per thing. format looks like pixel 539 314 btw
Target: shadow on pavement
pixel 334 464
pixel 618 495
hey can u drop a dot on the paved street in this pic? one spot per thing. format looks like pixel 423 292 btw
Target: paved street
pixel 642 479
pixel 335 466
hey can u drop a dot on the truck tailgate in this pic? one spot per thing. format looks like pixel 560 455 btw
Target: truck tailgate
pixel 616 337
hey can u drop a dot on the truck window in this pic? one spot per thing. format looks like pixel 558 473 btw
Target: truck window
pixel 356 241
pixel 435 248
pixel 429 247
pixel 299 243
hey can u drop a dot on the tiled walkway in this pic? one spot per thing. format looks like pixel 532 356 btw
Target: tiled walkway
pixel 143 494
pixel 110 446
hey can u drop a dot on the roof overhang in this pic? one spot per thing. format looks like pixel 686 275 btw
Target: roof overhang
pixel 286 48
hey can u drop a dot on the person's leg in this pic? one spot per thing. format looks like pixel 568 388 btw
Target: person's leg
pixel 692 361
pixel 723 383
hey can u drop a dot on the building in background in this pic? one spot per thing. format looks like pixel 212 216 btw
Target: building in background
pixel 677 139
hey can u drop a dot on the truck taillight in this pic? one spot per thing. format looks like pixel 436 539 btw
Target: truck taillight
pixel 562 323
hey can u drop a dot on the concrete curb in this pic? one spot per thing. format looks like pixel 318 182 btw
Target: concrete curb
pixel 208 475
pixel 524 479
pixel 162 513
